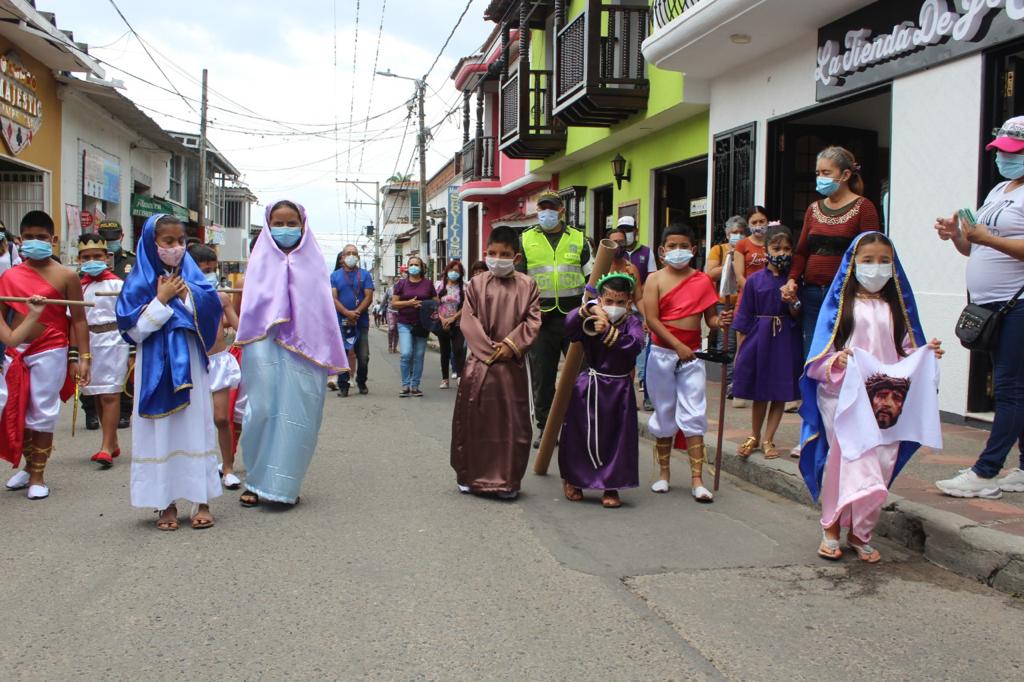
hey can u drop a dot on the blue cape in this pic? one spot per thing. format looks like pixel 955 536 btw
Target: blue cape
pixel 813 444
pixel 166 377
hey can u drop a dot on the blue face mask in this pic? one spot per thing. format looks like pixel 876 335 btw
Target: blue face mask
pixel 36 249
pixel 454 276
pixel 415 270
pixel 114 245
pixel 1011 166
pixel 548 219
pixel 94 268
pixel 212 278
pixel 826 186
pixel 286 237
pixel 735 238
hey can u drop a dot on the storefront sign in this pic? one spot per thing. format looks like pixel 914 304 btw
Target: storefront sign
pixel 892 38
pixel 21 112
pixel 102 175
pixel 454 237
pixel 86 219
pixel 215 234
pixel 144 207
pixel 698 207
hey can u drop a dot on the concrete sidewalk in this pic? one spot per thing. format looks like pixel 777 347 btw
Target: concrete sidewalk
pixel 982 539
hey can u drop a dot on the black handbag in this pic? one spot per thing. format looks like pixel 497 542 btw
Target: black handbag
pixel 978 327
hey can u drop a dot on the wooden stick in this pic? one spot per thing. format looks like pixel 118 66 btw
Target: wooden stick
pixel 118 293
pixel 46 301
pixel 730 303
pixel 570 370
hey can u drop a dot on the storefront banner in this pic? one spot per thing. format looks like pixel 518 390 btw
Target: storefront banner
pixel 102 175
pixel 454 238
pixel 74 223
pixel 21 112
pixel 215 235
pixel 144 207
pixel 892 38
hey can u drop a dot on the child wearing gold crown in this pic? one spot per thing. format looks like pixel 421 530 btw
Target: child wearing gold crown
pixel 598 448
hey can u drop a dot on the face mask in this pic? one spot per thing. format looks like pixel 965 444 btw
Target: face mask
pixel 113 245
pixel 630 238
pixel 826 186
pixel 36 249
pixel 351 261
pixel 415 270
pixel 212 279
pixel 874 276
pixel 758 230
pixel 781 263
pixel 94 268
pixel 548 219
pixel 171 257
pixel 286 237
pixel 454 276
pixel 1011 166
pixel 735 238
pixel 501 267
pixel 679 258
pixel 614 312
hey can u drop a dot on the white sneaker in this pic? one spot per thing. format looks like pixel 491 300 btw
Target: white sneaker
pixel 660 486
pixel 969 484
pixel 702 494
pixel 18 481
pixel 739 403
pixel 1013 482
pixel 38 492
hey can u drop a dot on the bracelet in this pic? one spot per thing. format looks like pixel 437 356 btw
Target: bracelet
pixel 86 356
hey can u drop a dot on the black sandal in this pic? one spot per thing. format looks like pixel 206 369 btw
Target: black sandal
pixel 249 499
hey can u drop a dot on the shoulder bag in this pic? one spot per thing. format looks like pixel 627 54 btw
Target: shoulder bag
pixel 978 327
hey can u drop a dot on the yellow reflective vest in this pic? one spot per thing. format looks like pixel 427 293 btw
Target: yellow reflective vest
pixel 557 271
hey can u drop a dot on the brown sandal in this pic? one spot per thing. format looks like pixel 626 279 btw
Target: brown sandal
pixel 572 493
pixel 770 451
pixel 168 523
pixel 202 519
pixel 748 447
pixel 249 499
pixel 611 499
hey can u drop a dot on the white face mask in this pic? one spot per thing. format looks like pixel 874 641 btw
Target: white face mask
pixel 630 238
pixel 873 276
pixel 351 261
pixel 501 267
pixel 679 258
pixel 614 312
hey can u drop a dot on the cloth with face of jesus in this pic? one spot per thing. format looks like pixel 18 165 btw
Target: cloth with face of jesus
pixel 885 404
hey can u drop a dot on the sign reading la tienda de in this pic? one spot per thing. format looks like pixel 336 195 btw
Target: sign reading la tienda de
pixel 892 38
pixel 21 112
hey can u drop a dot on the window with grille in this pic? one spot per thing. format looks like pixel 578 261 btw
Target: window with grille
pixel 174 193
pixel 735 154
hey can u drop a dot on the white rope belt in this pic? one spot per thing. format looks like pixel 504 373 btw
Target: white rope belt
pixel 593 444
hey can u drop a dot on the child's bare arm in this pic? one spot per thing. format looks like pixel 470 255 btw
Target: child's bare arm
pixel 79 325
pixel 230 316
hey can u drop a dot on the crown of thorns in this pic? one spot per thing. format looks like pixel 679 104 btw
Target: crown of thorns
pixel 616 275
pixel 880 382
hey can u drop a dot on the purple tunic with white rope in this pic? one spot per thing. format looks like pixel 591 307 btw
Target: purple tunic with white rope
pixel 598 449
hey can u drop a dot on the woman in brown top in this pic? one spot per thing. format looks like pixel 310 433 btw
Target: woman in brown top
pixel 830 225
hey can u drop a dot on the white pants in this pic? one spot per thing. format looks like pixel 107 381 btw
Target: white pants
pixel 224 371
pixel 677 394
pixel 47 371
pixel 3 387
pixel 109 366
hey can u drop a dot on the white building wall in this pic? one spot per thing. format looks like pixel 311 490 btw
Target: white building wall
pixel 935 172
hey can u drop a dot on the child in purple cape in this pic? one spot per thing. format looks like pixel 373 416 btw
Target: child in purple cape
pixel 599 447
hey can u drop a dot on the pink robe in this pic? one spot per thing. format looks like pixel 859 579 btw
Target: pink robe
pixel 853 493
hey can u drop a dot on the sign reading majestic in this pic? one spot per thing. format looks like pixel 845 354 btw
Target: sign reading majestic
pixel 892 38
pixel 21 112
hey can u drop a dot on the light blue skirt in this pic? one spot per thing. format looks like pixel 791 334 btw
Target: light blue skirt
pixel 282 419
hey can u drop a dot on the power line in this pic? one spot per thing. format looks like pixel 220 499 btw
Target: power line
pixel 447 40
pixel 373 78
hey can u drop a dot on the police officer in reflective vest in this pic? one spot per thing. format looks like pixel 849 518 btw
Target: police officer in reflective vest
pixel 554 255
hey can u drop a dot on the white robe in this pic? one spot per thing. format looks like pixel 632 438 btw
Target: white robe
pixel 109 351
pixel 173 457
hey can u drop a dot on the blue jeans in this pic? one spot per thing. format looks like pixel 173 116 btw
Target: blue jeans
pixel 1008 380
pixel 811 298
pixel 413 348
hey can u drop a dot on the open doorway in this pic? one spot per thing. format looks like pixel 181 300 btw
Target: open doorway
pixel 473 236
pixel 680 196
pixel 603 211
pixel 861 124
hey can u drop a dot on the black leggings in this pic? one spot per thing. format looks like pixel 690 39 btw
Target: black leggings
pixel 453 351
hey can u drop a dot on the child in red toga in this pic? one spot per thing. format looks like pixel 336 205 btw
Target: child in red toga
pixel 675 300
pixel 39 372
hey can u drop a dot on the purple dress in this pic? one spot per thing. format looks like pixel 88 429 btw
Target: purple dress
pixel 607 458
pixel 769 363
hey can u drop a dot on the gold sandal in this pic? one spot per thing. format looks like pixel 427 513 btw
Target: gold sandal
pixel 748 447
pixel 770 451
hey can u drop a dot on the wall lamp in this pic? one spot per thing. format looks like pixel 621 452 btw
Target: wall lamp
pixel 620 170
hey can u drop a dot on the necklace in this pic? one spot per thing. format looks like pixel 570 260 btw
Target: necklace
pixel 869 297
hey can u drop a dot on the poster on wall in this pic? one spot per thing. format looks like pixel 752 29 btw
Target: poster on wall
pixel 454 236
pixel 73 222
pixel 102 175
pixel 21 112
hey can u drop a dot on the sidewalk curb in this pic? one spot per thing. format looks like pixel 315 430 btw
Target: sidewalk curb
pixel 949 540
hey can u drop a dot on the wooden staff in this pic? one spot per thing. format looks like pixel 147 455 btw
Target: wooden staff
pixel 118 293
pixel 45 301
pixel 570 370
pixel 728 291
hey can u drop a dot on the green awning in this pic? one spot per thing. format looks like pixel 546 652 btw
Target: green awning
pixel 144 207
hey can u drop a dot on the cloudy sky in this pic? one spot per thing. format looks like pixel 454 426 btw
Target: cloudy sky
pixel 292 85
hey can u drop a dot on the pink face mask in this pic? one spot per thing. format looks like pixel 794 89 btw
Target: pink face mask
pixel 171 257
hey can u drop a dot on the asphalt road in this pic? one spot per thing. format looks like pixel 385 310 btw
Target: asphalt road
pixel 385 572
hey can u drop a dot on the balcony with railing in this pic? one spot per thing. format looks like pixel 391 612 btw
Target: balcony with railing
pixel 529 130
pixel 479 159
pixel 600 76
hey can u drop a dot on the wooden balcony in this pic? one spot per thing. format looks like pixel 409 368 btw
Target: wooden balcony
pixel 600 78
pixel 528 128
pixel 479 159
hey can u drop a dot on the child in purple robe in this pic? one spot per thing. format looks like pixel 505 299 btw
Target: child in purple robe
pixel 768 362
pixel 599 444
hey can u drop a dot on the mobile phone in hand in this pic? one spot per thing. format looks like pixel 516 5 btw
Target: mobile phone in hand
pixel 967 217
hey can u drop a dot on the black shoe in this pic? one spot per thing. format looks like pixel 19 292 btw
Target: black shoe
pixel 536 442
pixel 363 390
pixel 92 422
pixel 343 391
pixel 124 422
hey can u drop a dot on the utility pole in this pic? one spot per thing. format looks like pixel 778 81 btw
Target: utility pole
pixel 421 86
pixel 202 162
pixel 376 205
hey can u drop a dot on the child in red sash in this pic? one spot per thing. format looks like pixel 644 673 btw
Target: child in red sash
pixel 16 337
pixel 40 373
pixel 676 298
